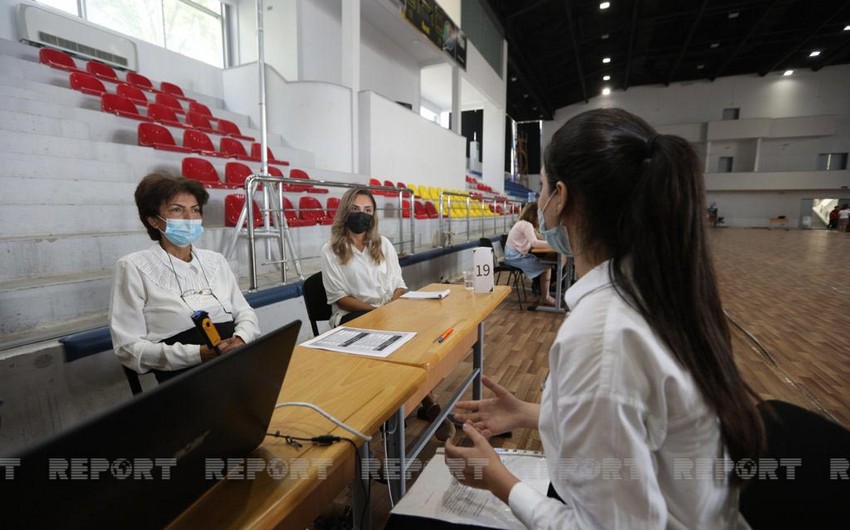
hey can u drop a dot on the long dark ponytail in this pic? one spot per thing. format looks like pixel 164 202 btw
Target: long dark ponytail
pixel 638 199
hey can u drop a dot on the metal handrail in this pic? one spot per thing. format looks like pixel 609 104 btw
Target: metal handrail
pixel 468 196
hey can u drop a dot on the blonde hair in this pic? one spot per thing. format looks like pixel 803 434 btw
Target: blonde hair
pixel 340 242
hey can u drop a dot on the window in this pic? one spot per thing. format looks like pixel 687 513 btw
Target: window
pixel 832 161
pixel 193 28
pixel 724 164
pixel 731 113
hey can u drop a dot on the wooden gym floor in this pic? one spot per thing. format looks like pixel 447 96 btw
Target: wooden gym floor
pixel 787 295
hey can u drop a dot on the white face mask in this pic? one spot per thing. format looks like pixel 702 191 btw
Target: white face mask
pixel 557 236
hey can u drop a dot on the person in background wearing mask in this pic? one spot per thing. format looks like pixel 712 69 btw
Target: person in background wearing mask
pixel 155 291
pixel 360 271
pixel 642 378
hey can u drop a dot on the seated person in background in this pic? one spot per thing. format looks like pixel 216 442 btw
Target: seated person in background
pixel 360 269
pixel 521 239
pixel 155 291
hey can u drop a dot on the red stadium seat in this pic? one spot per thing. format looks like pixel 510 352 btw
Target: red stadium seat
pixel 169 101
pixel 102 71
pixel 158 137
pixel 203 171
pixel 121 106
pixel 255 155
pixel 139 81
pixel 233 205
pixel 292 216
pixel 57 59
pixel 133 93
pixel 419 210
pixel 311 209
pixel 233 148
pixel 200 108
pixel 199 142
pixel 200 122
pixel 165 115
pixel 229 128
pixel 301 174
pixel 87 84
pixel 174 90
pixel 431 210
pixel 236 173
pixel 333 206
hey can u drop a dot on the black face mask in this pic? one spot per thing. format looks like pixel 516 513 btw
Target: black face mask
pixel 358 222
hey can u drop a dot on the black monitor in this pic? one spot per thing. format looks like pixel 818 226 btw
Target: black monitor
pixel 141 463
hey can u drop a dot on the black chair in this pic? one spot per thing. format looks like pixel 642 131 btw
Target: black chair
pixel 133 380
pixel 812 488
pixel 514 274
pixel 316 300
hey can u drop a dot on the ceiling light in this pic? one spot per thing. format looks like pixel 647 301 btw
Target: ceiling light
pixel 533 108
pixel 606 60
pixel 788 72
pixel 715 44
pixel 605 36
pixel 700 66
pixel 604 5
pixel 525 95
pixel 847 27
pixel 733 14
pixel 606 91
pixel 513 78
pixel 606 77
pixel 814 53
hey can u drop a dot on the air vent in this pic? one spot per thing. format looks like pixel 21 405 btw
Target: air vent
pixel 82 49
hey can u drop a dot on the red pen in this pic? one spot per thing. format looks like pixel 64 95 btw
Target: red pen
pixel 445 335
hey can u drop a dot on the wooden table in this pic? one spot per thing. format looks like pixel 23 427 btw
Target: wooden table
pixel 361 392
pixel 463 311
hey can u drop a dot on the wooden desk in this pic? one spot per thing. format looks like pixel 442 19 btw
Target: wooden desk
pixel 361 392
pixel 462 310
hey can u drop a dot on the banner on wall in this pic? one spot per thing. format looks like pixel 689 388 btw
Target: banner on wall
pixel 432 21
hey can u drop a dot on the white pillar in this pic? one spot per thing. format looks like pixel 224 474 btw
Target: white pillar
pixel 351 72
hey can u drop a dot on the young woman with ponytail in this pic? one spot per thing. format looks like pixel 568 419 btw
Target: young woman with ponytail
pixel 644 414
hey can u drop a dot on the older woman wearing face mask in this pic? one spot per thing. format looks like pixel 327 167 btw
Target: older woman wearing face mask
pixel 155 291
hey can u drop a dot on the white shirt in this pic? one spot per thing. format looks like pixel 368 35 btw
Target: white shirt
pixel 146 306
pixel 621 424
pixel 361 278
pixel 844 214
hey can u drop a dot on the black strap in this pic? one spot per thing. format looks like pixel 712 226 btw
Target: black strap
pixel 191 336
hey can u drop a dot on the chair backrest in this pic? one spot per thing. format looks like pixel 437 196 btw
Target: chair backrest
pixel 151 135
pixel 275 172
pixel 56 59
pixel 389 184
pixel 139 80
pixel 200 108
pixel 200 169
pixel 232 146
pixel 198 120
pixel 101 70
pixel 316 300
pixel 171 88
pixel 400 185
pixel 235 173
pixel 169 101
pixel 298 174
pixel 419 208
pixel 132 92
pixel 405 208
pixel 255 151
pixel 233 204
pixel 310 208
pixel 85 83
pixel 159 112
pixel 431 210
pixel 289 210
pixel 228 127
pixel 809 494
pixel 197 141
pixel 333 206
pixel 117 104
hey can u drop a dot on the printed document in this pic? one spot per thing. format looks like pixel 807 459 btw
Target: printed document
pixel 357 341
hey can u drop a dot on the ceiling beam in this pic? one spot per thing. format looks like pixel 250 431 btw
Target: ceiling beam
pixel 803 42
pixel 571 25
pixel 533 5
pixel 744 41
pixel 632 32
pixel 687 42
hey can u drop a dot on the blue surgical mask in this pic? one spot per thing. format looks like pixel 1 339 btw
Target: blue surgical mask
pixel 183 232
pixel 557 236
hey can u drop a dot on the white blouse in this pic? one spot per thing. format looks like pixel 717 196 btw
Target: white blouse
pixel 624 428
pixel 361 278
pixel 146 306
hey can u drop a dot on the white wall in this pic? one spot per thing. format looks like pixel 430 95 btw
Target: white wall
pixel 386 68
pixel 398 144
pixel 280 28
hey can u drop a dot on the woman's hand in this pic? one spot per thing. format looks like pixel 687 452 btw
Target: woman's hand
pixel 479 466
pixel 502 413
pixel 230 344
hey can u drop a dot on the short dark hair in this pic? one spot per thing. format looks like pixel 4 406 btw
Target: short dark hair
pixel 158 188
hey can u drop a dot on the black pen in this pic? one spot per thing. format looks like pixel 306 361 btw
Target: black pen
pixel 354 339
pixel 388 342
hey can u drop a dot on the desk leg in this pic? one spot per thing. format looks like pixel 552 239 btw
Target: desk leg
pixel 478 361
pixel 394 461
pixel 558 297
pixel 360 508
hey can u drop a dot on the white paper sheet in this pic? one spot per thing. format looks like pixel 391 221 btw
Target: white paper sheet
pixel 437 495
pixel 358 341
pixel 427 295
